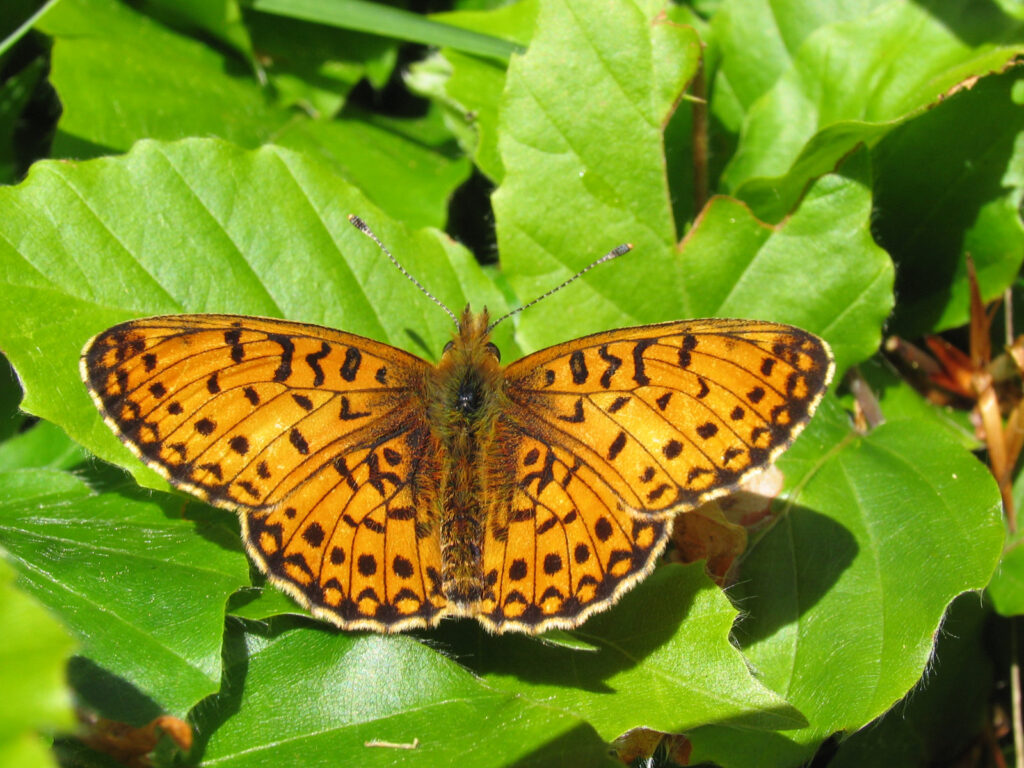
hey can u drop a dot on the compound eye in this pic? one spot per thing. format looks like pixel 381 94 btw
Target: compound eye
pixel 448 347
pixel 493 349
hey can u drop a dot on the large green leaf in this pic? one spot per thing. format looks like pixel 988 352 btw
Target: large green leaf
pixel 34 650
pixel 853 81
pixel 140 585
pixel 103 46
pixel 845 594
pixel 554 149
pixel 295 691
pixel 184 227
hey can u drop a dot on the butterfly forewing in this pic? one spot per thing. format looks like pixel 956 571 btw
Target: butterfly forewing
pixel 308 432
pixel 673 415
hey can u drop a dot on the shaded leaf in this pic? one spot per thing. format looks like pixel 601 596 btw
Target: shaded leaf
pixel 34 650
pixel 972 148
pixel 373 690
pixel 104 46
pixel 853 81
pixel 847 591
pixel 140 586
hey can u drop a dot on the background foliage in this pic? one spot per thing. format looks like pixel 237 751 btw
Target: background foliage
pixel 823 164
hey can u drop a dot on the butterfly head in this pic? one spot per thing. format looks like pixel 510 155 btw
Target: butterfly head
pixel 472 339
pixel 470 366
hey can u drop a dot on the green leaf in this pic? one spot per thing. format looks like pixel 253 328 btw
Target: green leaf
pixel 471 87
pixel 971 147
pixel 845 594
pixel 315 67
pixel 42 445
pixel 468 89
pixel 140 585
pixel 819 270
pixel 183 228
pixel 946 711
pixel 102 46
pixel 643 662
pixel 34 650
pixel 294 692
pixel 757 41
pixel 1006 589
pixel 853 81
pixel 556 157
pixel 221 19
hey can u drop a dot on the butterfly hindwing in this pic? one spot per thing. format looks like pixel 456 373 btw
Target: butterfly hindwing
pixel 563 546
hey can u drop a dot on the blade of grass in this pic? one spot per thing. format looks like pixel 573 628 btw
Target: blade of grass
pixel 389 22
pixel 23 28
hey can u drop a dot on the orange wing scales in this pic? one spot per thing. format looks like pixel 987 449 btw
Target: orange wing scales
pixel 566 547
pixel 384 493
pixel 307 433
pixel 676 414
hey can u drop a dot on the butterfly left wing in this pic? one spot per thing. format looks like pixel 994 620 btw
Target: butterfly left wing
pixel 317 438
pixel 611 435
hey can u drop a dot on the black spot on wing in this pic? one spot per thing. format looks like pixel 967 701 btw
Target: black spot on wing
pixel 614 363
pixel 350 367
pixel 578 367
pixel 284 368
pixel 639 366
pixel 313 361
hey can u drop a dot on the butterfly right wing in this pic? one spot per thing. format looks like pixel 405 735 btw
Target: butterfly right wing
pixel 317 438
pixel 607 437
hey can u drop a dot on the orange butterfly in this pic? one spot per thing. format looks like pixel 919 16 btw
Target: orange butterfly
pixel 385 493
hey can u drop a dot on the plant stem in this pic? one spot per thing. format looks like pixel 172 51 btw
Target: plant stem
pixel 700 140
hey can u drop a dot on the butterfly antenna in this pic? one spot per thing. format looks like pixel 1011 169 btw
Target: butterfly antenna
pixel 614 253
pixel 362 227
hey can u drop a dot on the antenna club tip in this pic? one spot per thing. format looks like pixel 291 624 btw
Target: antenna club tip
pixel 357 222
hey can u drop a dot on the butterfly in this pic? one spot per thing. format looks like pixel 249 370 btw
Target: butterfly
pixel 385 493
